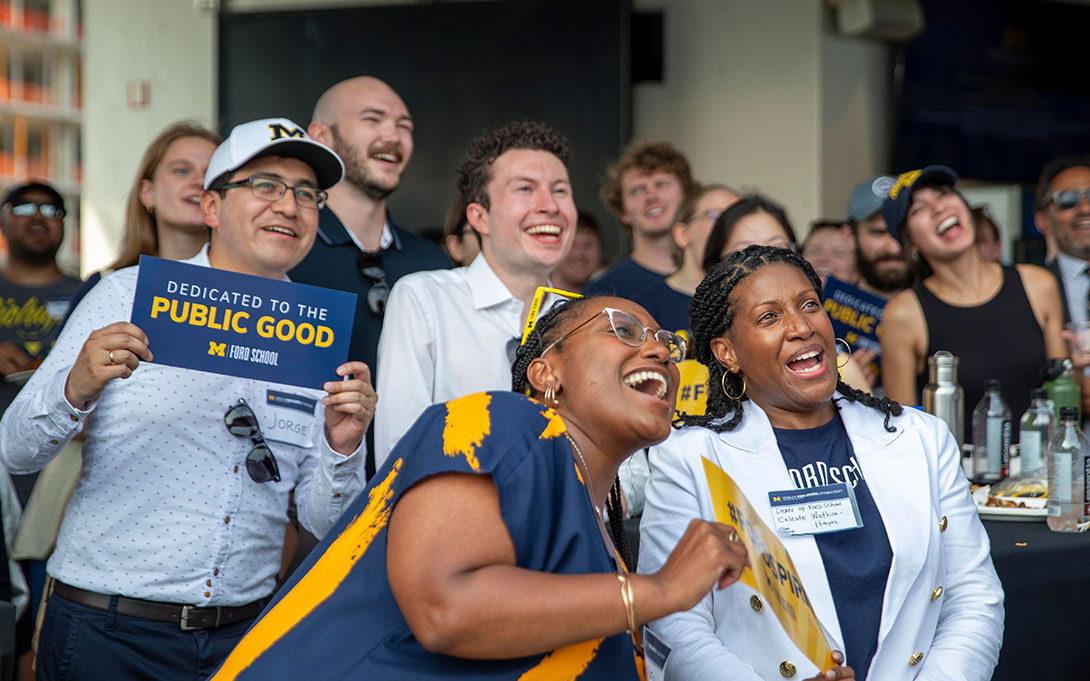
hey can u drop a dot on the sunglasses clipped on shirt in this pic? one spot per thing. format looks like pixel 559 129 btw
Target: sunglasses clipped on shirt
pixel 25 209
pixel 371 267
pixel 260 462
pixel 1066 199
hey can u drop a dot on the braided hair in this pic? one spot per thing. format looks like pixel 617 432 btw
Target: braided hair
pixel 711 313
pixel 547 329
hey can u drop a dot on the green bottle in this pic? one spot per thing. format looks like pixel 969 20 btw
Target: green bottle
pixel 1062 388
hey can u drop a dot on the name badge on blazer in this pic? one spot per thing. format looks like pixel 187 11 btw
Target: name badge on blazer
pixel 815 510
pixel 289 418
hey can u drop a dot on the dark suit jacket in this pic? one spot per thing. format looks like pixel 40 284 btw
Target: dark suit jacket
pixel 1053 266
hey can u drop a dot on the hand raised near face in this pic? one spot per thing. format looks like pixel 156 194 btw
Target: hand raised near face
pixel 111 352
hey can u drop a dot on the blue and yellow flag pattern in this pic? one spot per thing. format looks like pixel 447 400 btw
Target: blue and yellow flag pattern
pixel 337 618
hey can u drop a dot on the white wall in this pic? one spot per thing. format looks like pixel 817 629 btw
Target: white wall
pixel 741 95
pixel 172 45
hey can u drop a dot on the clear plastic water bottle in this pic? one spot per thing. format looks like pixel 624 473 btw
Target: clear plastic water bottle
pixel 1036 429
pixel 1068 468
pixel 991 436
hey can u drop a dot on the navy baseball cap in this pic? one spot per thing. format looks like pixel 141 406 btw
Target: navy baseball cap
pixel 16 193
pixel 895 207
pixel 867 197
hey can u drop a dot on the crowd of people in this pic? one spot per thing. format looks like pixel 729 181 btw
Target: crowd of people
pixel 467 473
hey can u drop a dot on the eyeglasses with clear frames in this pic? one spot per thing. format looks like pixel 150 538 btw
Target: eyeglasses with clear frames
pixel 271 189
pixel 632 332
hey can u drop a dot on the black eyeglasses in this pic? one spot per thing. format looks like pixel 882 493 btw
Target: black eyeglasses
pixel 1067 199
pixel 260 462
pixel 25 209
pixel 269 189
pixel 371 267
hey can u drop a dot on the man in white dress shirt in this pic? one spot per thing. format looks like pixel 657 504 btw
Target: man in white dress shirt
pixel 449 333
pixel 172 540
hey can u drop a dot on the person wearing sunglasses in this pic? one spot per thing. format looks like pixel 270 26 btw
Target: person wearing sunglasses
pixel 480 550
pixel 34 292
pixel 172 541
pixel 905 589
pixel 1001 321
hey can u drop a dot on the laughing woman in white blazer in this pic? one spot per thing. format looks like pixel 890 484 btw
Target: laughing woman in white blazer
pixel 912 594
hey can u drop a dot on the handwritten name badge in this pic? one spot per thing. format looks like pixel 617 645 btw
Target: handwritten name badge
pixel 815 510
pixel 224 322
pixel 290 417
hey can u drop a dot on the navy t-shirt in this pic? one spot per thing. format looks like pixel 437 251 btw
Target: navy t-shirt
pixel 624 279
pixel 856 561
pixel 670 308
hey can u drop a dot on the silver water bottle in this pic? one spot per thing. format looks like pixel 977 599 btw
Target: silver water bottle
pixel 942 396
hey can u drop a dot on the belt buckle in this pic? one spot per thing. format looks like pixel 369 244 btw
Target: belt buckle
pixel 184 620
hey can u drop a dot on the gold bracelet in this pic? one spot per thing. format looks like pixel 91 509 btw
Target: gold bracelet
pixel 626 596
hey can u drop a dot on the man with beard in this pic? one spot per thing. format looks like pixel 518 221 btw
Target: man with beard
pixel 1063 211
pixel 34 295
pixel 878 255
pixel 358 248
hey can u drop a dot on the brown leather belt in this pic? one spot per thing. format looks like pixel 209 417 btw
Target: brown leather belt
pixel 187 617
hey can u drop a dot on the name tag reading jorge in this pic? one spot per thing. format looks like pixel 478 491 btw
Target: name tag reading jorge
pixel 240 325
pixel 815 510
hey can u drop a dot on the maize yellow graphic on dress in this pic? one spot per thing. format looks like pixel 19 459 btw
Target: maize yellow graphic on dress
pixel 771 571
pixel 468 423
pixel 318 584
pixel 564 664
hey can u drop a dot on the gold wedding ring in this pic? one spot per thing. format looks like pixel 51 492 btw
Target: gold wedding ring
pixel 734 535
pixel 111 356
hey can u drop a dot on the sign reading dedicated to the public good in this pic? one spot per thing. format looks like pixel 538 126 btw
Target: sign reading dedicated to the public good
pixel 236 324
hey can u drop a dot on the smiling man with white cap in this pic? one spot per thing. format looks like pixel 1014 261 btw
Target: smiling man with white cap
pixel 172 540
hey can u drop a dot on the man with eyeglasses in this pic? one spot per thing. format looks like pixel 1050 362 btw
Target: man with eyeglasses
pixel 359 249
pixel 172 541
pixel 450 333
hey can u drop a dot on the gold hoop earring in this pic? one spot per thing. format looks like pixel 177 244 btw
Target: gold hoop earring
pixel 840 365
pixel 723 383
pixel 550 397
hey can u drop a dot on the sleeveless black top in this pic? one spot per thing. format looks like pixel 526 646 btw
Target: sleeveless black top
pixel 999 339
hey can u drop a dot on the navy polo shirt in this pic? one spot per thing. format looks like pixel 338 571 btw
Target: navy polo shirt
pixel 331 263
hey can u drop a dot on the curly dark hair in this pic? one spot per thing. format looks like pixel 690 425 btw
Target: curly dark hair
pixel 711 313
pixel 547 329
pixel 646 157
pixel 475 170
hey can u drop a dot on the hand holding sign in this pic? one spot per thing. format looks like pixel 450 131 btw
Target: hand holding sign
pixel 349 407
pixel 837 673
pixel 111 352
pixel 708 554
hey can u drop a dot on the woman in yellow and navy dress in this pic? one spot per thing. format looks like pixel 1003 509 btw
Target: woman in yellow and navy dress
pixel 479 550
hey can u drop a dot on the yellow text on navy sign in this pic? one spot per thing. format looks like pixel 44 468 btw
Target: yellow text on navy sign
pixel 212 317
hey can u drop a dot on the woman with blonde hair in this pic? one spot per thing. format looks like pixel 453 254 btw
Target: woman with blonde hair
pixel 163 213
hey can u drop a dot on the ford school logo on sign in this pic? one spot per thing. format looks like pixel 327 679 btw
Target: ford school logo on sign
pixel 236 324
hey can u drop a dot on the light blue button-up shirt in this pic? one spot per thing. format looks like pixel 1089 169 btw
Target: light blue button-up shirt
pixel 164 509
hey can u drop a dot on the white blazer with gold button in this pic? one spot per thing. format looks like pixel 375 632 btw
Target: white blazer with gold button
pixel 915 477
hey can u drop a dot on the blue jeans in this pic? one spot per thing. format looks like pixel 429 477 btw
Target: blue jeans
pixel 78 643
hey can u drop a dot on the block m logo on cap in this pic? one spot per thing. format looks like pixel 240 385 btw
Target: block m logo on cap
pixel 280 132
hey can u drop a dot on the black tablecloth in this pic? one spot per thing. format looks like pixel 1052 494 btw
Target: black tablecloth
pixel 1046 577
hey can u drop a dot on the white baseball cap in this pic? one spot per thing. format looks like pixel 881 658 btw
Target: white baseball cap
pixel 274 137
